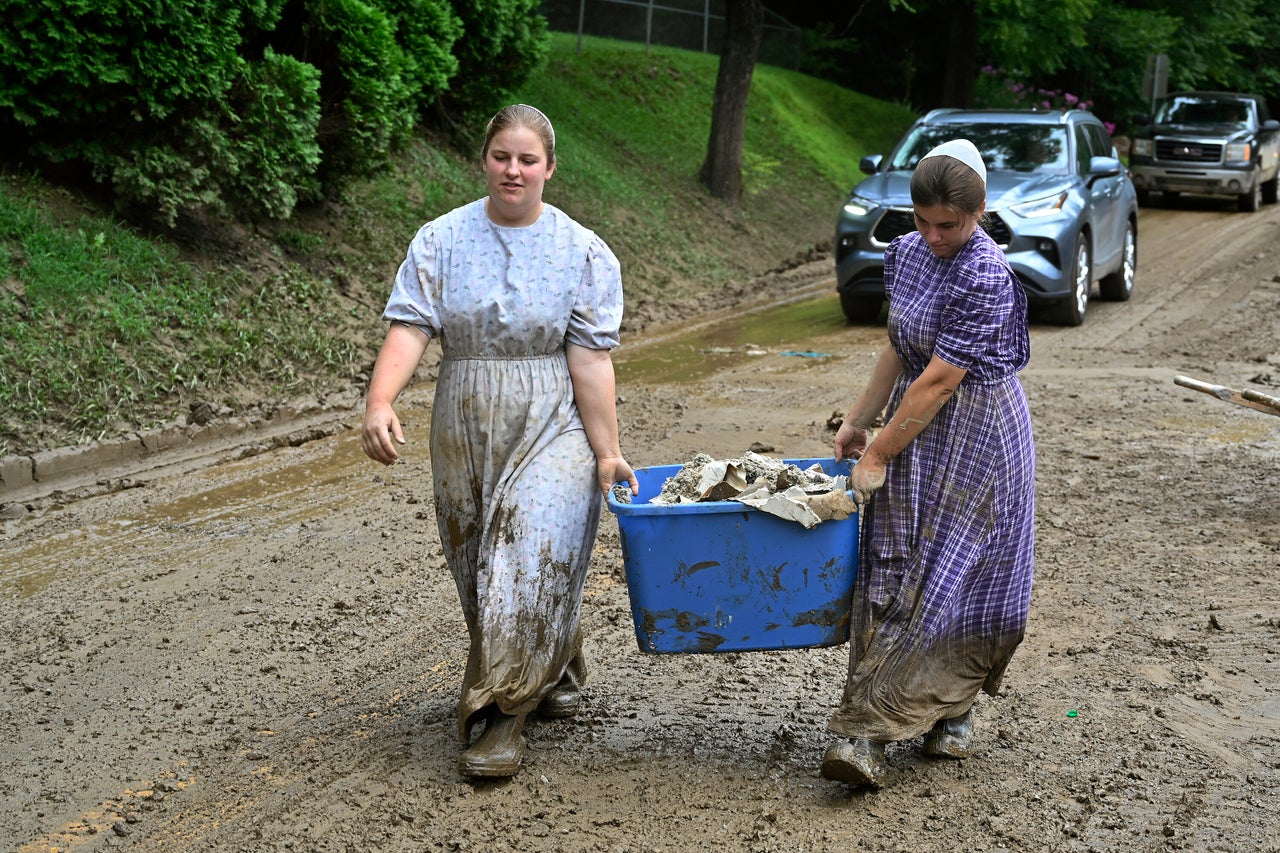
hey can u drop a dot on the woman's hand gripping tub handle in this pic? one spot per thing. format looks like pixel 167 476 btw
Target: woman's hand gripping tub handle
pixel 397 360
pixel 853 435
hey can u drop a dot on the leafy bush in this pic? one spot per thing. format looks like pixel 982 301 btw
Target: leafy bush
pixel 274 144
pixel 426 31
pixel 254 154
pixel 117 66
pixel 503 42
pixel 247 106
pixel 160 102
pixel 998 89
pixel 366 107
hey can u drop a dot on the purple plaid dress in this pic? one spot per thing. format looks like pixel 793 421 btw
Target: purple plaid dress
pixel 945 565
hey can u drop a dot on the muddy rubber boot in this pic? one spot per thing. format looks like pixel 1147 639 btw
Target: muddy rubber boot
pixel 858 762
pixel 951 738
pixel 499 750
pixel 563 701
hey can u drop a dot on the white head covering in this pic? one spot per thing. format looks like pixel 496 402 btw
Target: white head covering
pixel 964 151
pixel 550 127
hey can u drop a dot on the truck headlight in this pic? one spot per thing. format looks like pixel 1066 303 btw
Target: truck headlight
pixel 1238 152
pixel 1142 148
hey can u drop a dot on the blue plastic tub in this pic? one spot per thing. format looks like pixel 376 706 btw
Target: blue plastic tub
pixel 721 576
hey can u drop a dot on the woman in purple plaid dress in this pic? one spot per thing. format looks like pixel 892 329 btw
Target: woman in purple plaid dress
pixel 947 486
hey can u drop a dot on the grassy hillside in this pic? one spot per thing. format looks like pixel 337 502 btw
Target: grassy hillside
pixel 108 329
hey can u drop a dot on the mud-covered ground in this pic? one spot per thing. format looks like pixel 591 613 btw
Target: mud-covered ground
pixel 261 652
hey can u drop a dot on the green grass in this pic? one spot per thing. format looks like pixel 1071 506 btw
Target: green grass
pixel 832 126
pixel 107 329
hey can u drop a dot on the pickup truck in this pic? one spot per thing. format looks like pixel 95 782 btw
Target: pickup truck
pixel 1208 143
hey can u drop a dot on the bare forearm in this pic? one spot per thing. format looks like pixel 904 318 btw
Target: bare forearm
pixel 921 402
pixel 397 360
pixel 875 397
pixel 594 392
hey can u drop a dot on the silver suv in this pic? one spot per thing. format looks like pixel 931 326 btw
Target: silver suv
pixel 1059 203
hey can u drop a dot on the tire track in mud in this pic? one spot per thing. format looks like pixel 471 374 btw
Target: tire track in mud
pixel 1182 287
pixel 1134 525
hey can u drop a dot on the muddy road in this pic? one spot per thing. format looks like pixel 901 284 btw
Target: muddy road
pixel 261 652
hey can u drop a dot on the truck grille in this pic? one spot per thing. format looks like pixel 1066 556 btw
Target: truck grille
pixel 897 222
pixel 1182 151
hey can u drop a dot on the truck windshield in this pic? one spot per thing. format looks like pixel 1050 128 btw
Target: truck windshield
pixel 1203 111
pixel 1010 147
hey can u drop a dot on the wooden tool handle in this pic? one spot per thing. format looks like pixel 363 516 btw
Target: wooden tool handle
pixel 1249 399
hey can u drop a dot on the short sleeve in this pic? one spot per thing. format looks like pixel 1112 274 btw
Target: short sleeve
pixel 415 294
pixel 890 266
pixel 980 300
pixel 597 312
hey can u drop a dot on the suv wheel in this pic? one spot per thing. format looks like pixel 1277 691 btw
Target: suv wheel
pixel 862 310
pixel 1072 309
pixel 1118 286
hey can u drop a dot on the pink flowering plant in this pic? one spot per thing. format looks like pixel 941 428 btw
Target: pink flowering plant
pixel 998 89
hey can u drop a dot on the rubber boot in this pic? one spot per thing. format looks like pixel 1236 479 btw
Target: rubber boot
pixel 858 762
pixel 563 701
pixel 951 738
pixel 498 751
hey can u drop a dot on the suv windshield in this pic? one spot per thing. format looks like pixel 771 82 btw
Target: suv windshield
pixel 1203 111
pixel 1016 147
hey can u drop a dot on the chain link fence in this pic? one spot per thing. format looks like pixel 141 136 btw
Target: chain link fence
pixel 689 24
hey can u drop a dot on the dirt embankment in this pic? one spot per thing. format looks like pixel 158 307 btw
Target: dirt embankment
pixel 261 651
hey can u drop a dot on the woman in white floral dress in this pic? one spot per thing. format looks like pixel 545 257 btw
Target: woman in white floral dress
pixel 526 304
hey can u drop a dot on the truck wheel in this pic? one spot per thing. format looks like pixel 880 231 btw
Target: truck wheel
pixel 1118 286
pixel 1070 311
pixel 1250 201
pixel 1269 188
pixel 862 310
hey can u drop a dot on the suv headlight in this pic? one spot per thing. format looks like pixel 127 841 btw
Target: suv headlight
pixel 1142 148
pixel 1050 206
pixel 859 206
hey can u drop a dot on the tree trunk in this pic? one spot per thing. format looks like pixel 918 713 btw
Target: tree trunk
pixel 721 171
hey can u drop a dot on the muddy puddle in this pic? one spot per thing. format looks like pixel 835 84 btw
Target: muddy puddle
pixel 228 500
pixel 814 328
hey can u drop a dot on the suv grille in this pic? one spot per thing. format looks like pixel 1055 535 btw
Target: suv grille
pixel 999 232
pixel 1181 151
pixel 897 222
pixel 894 223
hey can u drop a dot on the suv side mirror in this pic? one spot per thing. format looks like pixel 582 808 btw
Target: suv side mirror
pixel 1271 124
pixel 1141 119
pixel 869 164
pixel 1104 167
